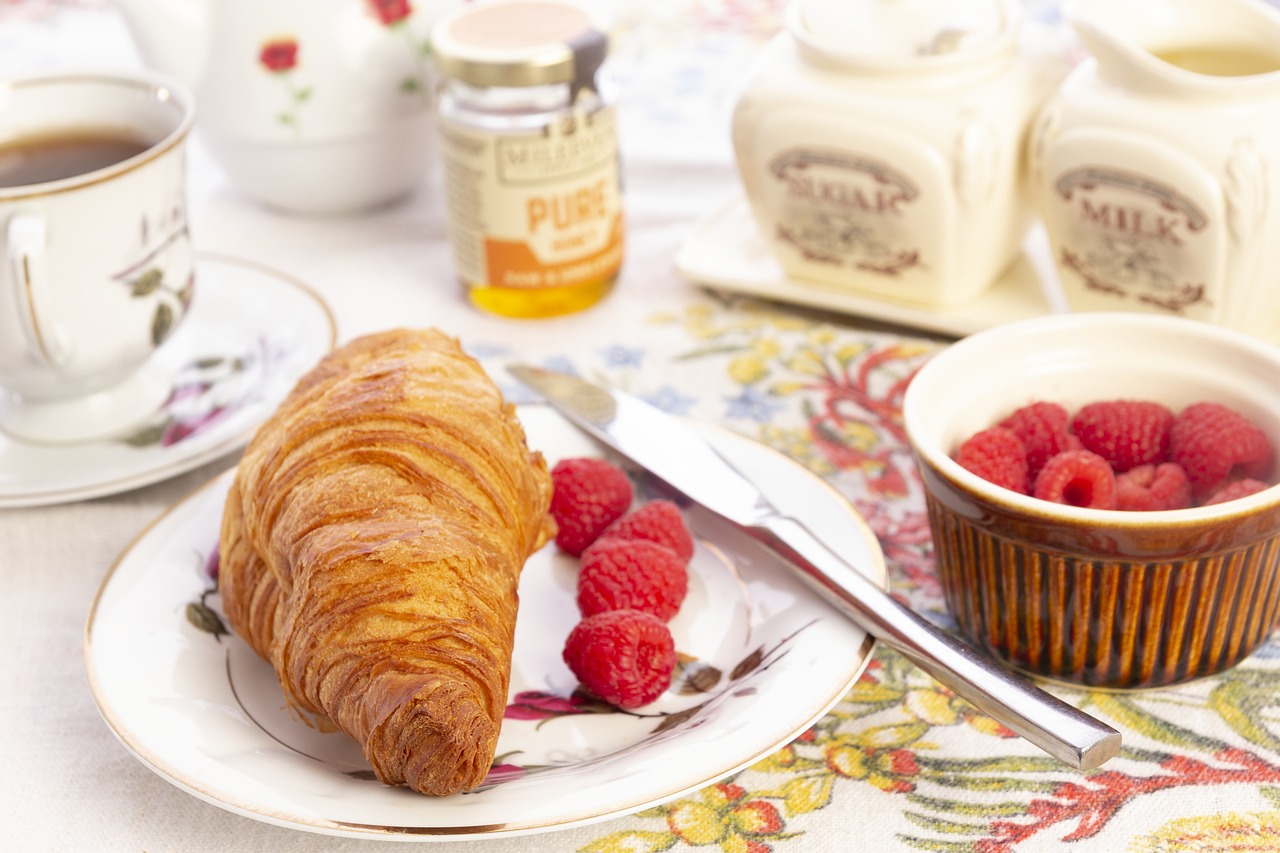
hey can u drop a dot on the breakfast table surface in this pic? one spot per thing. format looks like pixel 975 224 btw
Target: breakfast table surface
pixel 897 764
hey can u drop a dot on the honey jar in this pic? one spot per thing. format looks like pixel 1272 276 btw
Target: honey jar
pixel 528 141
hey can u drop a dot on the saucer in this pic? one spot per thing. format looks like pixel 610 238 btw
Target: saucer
pixel 724 251
pixel 101 415
pixel 250 335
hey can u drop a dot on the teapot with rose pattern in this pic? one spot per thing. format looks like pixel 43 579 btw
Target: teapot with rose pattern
pixel 310 106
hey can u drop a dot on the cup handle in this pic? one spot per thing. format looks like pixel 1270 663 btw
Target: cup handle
pixel 26 239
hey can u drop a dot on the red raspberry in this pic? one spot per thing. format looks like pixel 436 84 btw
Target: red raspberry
pixel 1043 430
pixel 625 657
pixel 1126 433
pixel 1078 478
pixel 998 456
pixel 1153 487
pixel 1215 444
pixel 620 574
pixel 1236 489
pixel 657 521
pixel 588 495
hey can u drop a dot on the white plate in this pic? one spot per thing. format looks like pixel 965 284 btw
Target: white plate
pixel 724 251
pixel 250 335
pixel 208 715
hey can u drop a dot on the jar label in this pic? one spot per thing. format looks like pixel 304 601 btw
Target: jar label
pixel 535 210
pixel 845 209
pixel 1135 225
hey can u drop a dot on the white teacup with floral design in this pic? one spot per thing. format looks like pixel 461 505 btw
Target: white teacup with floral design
pixel 97 267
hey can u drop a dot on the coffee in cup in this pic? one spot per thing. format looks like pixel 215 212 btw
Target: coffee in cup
pixel 43 157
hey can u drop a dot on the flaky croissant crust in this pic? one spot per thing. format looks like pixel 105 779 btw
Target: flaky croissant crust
pixel 371 547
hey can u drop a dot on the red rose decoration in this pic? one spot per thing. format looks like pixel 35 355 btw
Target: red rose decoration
pixel 279 54
pixel 390 11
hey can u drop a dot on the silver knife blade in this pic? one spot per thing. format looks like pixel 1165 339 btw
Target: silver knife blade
pixel 677 455
pixel 653 440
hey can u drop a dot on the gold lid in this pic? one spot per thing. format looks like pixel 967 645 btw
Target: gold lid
pixel 519 43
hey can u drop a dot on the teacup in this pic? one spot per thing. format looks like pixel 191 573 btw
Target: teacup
pixel 97 270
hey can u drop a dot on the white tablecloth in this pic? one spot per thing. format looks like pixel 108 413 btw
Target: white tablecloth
pixel 900 764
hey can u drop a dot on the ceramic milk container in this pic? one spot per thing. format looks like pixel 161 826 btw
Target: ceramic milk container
pixel 312 106
pixel 882 143
pixel 1158 162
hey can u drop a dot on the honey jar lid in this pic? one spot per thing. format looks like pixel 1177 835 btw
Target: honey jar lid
pixel 519 43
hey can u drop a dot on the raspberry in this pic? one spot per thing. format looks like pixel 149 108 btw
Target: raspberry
pixel 588 495
pixel 1215 444
pixel 1153 487
pixel 1078 478
pixel 657 521
pixel 620 574
pixel 1236 489
pixel 1126 433
pixel 998 456
pixel 625 657
pixel 1042 427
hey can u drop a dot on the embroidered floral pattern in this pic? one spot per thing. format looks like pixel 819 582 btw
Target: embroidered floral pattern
pixel 832 401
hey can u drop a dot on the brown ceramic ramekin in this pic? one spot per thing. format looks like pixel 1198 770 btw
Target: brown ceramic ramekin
pixel 1101 598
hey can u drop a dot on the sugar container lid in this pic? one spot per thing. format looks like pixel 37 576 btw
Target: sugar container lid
pixel 519 43
pixel 898 30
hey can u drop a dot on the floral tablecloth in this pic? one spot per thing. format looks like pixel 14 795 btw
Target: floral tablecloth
pixel 899 764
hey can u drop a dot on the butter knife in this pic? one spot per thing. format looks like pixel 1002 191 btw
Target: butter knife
pixel 679 457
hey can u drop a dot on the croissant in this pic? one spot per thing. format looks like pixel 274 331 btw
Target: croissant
pixel 371 545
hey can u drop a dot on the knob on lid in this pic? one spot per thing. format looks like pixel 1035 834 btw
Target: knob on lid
pixel 519 43
pixel 902 29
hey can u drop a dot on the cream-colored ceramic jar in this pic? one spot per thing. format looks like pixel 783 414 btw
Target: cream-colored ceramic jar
pixel 1158 162
pixel 881 143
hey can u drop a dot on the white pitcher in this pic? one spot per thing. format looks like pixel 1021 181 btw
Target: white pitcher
pixel 1158 162
pixel 882 143
pixel 315 106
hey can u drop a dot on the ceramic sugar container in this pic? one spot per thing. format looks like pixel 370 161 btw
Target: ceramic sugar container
pixel 881 143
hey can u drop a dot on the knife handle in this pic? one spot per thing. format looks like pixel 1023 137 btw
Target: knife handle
pixel 1060 729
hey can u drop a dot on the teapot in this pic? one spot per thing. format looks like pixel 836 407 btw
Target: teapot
pixel 881 143
pixel 310 106
pixel 1158 162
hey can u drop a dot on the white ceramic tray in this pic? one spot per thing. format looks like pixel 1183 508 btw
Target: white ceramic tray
pixel 724 251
